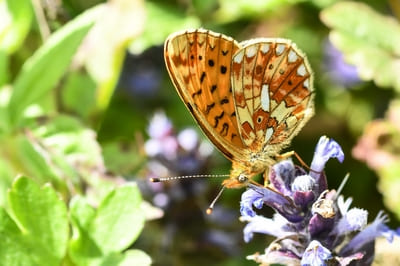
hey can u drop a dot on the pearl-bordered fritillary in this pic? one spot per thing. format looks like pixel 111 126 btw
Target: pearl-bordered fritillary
pixel 249 98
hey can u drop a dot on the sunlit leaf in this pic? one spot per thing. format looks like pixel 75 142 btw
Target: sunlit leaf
pixel 101 234
pixel 157 15
pixel 42 71
pixel 37 233
pixel 229 12
pixel 16 21
pixel 105 48
pixel 368 40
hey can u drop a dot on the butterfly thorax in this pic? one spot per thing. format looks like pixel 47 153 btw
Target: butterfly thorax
pixel 242 172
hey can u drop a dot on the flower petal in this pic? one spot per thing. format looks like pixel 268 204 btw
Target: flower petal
pixel 367 236
pixel 326 149
pixel 260 224
pixel 250 198
pixel 354 220
pixel 282 175
pixel 315 254
pixel 284 205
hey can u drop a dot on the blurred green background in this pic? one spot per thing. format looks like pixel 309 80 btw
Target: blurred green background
pixel 81 81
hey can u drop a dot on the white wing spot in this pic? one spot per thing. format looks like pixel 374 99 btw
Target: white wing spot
pixel 280 48
pixel 301 71
pixel 265 97
pixel 251 51
pixel 306 83
pixel 268 133
pixel 292 56
pixel 264 48
pixel 238 58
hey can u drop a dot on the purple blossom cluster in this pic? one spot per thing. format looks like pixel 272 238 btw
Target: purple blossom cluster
pixel 312 225
pixel 173 154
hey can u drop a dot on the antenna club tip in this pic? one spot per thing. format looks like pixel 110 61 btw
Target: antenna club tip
pixel 209 210
pixel 155 180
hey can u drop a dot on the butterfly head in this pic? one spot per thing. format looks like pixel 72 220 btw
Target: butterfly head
pixel 238 178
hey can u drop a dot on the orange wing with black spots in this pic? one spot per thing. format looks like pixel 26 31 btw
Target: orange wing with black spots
pixel 272 85
pixel 250 99
pixel 199 63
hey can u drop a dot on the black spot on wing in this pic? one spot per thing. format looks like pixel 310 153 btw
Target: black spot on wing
pixel 197 93
pixel 217 118
pixel 224 130
pixel 223 69
pixel 213 88
pixel 209 107
pixel 203 75
pixel 224 101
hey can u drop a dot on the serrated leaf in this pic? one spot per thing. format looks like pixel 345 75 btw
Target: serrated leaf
pixel 368 40
pixel 42 71
pixel 37 234
pixel 100 235
pixel 119 219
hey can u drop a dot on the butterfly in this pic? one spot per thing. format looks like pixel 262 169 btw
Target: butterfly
pixel 249 98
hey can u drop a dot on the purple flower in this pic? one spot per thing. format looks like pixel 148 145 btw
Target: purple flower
pixel 315 255
pixel 173 154
pixel 326 149
pixel 367 236
pixel 313 225
pixel 339 71
pixel 260 224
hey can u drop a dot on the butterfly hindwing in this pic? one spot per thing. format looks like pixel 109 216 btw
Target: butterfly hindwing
pixel 199 63
pixel 272 86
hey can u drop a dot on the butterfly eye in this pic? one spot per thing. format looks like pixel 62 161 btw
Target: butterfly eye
pixel 259 119
pixel 242 178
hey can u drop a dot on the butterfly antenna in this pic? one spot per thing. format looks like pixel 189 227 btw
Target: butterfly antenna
pixel 211 207
pixel 163 179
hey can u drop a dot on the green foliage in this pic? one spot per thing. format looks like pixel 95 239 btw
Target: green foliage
pixel 19 18
pixel 45 68
pixel 71 124
pixel 59 152
pixel 158 14
pixel 36 228
pixel 35 231
pixel 100 235
pixel 368 40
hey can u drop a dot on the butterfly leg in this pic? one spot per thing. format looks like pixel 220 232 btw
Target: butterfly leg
pixel 290 154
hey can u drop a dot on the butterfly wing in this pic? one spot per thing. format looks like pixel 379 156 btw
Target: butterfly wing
pixel 199 64
pixel 272 85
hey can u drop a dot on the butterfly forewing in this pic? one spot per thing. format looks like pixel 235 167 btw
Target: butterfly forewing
pixel 272 86
pixel 199 63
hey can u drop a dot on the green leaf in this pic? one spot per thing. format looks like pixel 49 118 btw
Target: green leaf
pixel 99 235
pixel 157 14
pixel 229 12
pixel 130 257
pixel 367 39
pixel 119 219
pixel 41 72
pixel 13 248
pixel 18 21
pixel 81 102
pixel 37 233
